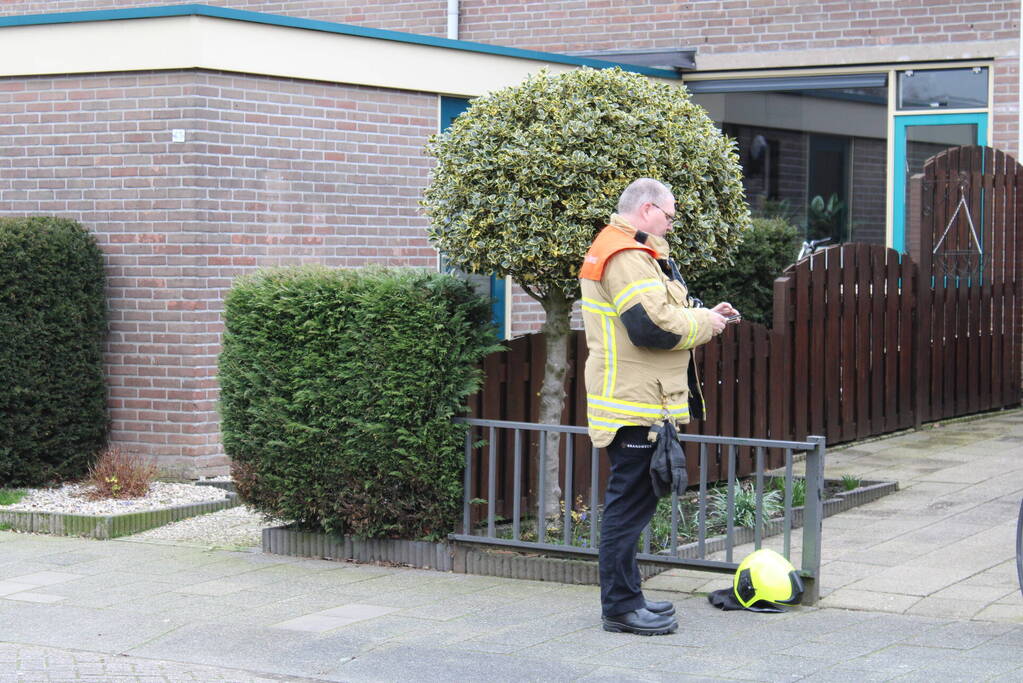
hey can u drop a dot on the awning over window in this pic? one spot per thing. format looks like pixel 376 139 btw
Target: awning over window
pixel 833 82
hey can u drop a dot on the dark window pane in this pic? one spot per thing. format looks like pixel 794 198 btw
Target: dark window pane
pixel 795 145
pixel 827 187
pixel 943 89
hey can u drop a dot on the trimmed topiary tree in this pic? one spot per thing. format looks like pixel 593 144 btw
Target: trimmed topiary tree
pixel 337 393
pixel 53 417
pixel 527 176
pixel 748 282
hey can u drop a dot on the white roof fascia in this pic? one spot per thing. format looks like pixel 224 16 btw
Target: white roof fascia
pixel 203 42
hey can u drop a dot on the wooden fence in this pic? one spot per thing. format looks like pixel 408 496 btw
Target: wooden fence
pixel 864 341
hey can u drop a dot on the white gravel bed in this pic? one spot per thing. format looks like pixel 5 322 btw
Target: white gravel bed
pixel 238 527
pixel 70 498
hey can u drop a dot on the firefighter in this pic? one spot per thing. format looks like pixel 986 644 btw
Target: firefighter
pixel 640 325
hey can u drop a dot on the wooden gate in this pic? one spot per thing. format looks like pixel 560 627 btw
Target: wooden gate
pixel 970 323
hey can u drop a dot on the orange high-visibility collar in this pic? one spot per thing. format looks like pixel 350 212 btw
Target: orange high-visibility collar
pixel 609 242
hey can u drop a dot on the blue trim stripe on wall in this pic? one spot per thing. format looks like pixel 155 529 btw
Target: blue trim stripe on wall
pixel 325 26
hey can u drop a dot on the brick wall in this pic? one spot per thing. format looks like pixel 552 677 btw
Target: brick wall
pixel 527 313
pixel 710 26
pixel 869 159
pixel 272 171
pixel 1005 111
pixel 427 17
pixel 715 26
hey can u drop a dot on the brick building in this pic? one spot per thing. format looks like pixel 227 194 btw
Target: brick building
pixel 199 142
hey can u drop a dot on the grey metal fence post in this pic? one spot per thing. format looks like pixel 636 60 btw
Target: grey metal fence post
pixel 541 503
pixel 492 483
pixel 813 518
pixel 673 556
pixel 467 482
pixel 517 484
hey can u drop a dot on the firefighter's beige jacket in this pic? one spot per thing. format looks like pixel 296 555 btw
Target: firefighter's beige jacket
pixel 640 328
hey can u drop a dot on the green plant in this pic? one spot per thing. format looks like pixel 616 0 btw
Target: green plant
pixel 528 174
pixel 337 393
pixel 798 490
pixel 52 326
pixel 580 532
pixel 660 524
pixel 117 474
pixel 744 505
pixel 748 282
pixel 11 496
pixel 776 208
pixel 850 482
pixel 824 218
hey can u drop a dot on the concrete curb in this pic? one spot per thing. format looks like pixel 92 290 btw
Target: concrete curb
pixel 514 564
pixel 107 526
pixel 286 541
pixel 867 492
pixel 439 556
pixel 225 485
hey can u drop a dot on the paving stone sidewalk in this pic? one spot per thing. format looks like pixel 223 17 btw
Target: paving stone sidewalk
pixel 944 545
pixel 25 663
pixel 77 609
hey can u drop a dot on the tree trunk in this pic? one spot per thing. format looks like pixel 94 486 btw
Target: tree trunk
pixel 556 331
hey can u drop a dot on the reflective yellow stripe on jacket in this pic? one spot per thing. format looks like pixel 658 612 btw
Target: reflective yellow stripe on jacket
pixel 606 312
pixel 652 411
pixel 627 294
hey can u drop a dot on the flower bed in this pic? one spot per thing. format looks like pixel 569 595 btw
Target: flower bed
pixel 67 512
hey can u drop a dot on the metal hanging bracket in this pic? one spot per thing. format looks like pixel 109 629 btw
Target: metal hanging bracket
pixel 962 205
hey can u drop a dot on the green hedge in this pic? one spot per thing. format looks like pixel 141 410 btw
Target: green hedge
pixel 53 418
pixel 337 393
pixel 748 284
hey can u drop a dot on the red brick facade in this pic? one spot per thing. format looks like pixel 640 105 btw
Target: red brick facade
pixel 275 171
pixel 712 26
pixel 271 171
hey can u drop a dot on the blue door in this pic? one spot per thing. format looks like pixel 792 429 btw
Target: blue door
pixel 918 138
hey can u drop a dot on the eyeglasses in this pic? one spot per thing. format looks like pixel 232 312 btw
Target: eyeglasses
pixel 669 216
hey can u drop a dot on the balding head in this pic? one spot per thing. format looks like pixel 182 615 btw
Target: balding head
pixel 640 192
pixel 648 205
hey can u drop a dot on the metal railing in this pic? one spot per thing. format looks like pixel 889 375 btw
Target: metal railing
pixel 692 555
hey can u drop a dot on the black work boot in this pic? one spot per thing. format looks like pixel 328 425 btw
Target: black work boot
pixel 662 607
pixel 642 622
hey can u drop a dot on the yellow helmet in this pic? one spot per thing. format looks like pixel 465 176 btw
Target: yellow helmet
pixel 767 576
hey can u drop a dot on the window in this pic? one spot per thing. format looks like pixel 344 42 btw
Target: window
pixel 803 135
pixel 827 187
pixel 806 137
pixel 943 89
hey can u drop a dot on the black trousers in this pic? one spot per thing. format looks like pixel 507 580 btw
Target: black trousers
pixel 629 503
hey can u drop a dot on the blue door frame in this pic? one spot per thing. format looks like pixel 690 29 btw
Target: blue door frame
pixel 899 166
pixel 450 108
